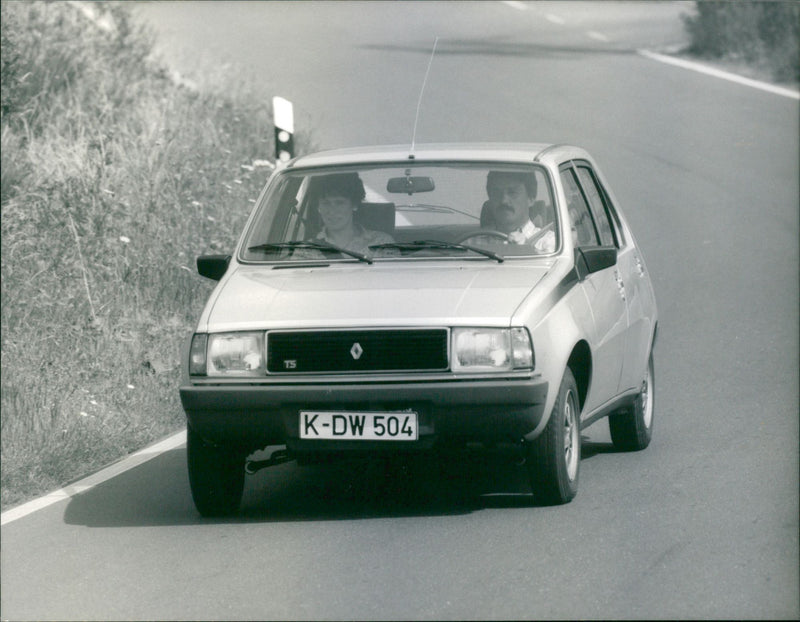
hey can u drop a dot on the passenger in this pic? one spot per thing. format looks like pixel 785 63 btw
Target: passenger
pixel 511 197
pixel 339 199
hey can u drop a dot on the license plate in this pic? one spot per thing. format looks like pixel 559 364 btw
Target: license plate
pixel 359 426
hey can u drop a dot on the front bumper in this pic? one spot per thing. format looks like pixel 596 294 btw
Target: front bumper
pixel 255 415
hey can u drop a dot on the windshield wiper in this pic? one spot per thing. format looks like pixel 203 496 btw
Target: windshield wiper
pixel 423 244
pixel 322 246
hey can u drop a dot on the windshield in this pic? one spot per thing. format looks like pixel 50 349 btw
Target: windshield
pixel 381 212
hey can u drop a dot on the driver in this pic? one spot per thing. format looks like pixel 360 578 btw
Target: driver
pixel 511 197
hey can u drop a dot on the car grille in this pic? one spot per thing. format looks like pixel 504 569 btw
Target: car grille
pixel 357 351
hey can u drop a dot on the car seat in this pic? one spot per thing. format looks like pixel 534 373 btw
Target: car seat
pixel 376 217
pixel 537 215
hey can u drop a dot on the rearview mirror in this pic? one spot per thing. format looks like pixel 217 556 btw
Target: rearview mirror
pixel 410 185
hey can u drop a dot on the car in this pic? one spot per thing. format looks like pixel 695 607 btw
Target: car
pixel 441 327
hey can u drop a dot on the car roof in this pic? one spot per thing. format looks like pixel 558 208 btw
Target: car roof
pixel 464 152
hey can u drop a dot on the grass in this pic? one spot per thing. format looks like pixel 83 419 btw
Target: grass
pixel 113 179
pixel 761 39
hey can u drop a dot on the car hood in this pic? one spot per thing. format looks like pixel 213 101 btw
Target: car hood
pixel 253 297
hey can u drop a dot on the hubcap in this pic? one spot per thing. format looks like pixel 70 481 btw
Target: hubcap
pixel 571 436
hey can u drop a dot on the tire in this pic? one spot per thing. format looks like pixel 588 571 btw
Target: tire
pixel 632 427
pixel 216 476
pixel 553 458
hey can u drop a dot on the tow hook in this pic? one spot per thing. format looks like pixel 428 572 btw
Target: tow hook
pixel 278 456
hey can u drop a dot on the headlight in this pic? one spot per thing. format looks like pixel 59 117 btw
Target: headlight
pixel 491 349
pixel 228 354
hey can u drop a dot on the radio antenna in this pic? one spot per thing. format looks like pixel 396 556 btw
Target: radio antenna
pixel 421 91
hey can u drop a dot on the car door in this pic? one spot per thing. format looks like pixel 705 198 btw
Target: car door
pixel 604 290
pixel 632 274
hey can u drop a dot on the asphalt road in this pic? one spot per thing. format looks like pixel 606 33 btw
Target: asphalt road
pixel 702 524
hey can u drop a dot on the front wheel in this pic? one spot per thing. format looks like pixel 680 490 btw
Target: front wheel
pixel 632 427
pixel 216 476
pixel 553 458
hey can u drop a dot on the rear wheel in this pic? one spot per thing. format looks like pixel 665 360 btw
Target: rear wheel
pixel 554 457
pixel 632 427
pixel 216 476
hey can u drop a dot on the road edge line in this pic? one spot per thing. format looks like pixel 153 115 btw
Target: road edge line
pixel 718 73
pixel 89 482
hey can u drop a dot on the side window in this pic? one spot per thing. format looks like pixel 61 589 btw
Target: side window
pixel 288 223
pixel 599 211
pixel 278 215
pixel 583 231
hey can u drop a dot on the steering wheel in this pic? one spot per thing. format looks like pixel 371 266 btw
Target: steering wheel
pixel 482 232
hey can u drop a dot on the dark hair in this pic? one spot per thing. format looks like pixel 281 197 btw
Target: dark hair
pixel 527 179
pixel 347 185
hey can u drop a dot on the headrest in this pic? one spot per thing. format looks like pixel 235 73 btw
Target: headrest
pixel 377 217
pixel 537 215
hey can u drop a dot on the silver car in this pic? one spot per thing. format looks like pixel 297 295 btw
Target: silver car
pixel 389 299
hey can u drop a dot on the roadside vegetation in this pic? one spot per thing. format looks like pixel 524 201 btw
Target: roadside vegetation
pixel 756 37
pixel 114 178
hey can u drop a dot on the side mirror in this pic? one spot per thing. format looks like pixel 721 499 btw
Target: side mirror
pixel 213 266
pixel 595 258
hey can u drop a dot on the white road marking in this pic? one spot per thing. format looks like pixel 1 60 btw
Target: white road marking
pixel 555 19
pixel 597 36
pixel 717 73
pixel 514 4
pixel 87 483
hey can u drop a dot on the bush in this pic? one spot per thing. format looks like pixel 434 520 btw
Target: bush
pixel 113 180
pixel 764 34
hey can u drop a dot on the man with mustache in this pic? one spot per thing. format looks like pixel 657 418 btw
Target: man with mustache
pixel 511 196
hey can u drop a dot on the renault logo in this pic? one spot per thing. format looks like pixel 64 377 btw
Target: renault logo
pixel 356 351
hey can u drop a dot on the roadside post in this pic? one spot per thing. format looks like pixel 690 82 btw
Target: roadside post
pixel 283 118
